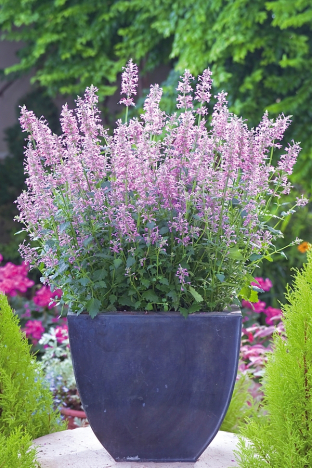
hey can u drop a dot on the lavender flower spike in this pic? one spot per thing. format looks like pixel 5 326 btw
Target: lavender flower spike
pixel 202 90
pixel 129 83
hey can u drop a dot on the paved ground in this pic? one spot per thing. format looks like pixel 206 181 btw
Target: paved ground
pixel 80 448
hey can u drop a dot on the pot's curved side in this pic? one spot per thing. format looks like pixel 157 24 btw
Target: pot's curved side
pixel 155 387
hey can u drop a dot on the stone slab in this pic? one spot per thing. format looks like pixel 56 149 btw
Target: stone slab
pixel 79 448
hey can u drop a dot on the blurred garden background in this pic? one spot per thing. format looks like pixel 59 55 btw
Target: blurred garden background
pixel 260 53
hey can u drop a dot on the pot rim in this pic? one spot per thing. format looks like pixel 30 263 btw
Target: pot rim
pixel 148 313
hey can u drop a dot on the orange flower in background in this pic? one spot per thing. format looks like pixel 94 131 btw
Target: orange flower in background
pixel 304 246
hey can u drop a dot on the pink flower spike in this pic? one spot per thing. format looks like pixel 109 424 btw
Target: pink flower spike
pixel 184 100
pixel 203 87
pixel 129 83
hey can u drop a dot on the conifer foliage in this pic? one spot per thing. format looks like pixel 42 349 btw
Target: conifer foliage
pixel 282 436
pixel 26 410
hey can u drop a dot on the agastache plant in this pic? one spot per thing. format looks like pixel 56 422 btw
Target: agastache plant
pixel 169 213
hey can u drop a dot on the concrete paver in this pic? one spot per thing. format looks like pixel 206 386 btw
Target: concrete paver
pixel 80 448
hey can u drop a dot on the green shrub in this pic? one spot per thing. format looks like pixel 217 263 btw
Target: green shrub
pixel 16 451
pixel 281 437
pixel 26 405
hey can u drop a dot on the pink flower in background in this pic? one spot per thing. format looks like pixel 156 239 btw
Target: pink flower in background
pixel 1 258
pixel 44 295
pixel 61 333
pixel 13 279
pixel 261 283
pixel 272 315
pixel 34 330
pixel 27 312
pixel 255 306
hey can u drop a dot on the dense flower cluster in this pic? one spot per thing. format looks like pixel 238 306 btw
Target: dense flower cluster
pixel 13 278
pixel 34 330
pixel 44 296
pixel 169 189
pixel 61 333
pixel 36 311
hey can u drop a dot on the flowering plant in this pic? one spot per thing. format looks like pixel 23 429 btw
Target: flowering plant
pixel 167 213
pixel 35 306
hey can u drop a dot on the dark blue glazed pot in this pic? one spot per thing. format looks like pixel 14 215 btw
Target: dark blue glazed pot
pixel 155 386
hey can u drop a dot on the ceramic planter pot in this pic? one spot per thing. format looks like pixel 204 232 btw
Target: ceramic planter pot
pixel 155 386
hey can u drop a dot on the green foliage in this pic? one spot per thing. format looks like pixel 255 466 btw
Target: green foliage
pixel 72 44
pixel 241 406
pixel 281 437
pixel 25 400
pixel 259 51
pixel 16 451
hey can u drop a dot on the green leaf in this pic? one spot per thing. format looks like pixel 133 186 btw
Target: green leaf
pixel 93 307
pixel 253 296
pixel 269 258
pixel 195 294
pixel 150 296
pixel 275 231
pixel 173 295
pixel 163 281
pixel 112 298
pixel 62 267
pixel 257 289
pixel 163 230
pixel 84 281
pixel 99 275
pixel 146 283
pixel 130 261
pixel 87 241
pixel 235 253
pixel 64 226
pixel 220 277
pixel 100 284
pixel 254 257
pixel 149 306
pixel 184 311
pixel 126 300
pixel 194 308
pixel 245 292
pixel 117 262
